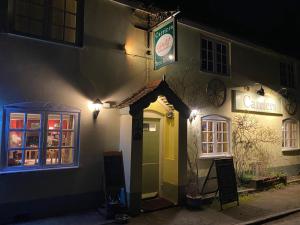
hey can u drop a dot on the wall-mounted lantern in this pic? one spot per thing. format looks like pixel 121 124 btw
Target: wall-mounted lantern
pixel 193 115
pixel 261 91
pixel 96 106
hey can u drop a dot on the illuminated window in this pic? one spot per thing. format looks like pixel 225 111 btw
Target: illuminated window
pixel 287 75
pixel 40 139
pixel 215 135
pixel 55 20
pixel 214 57
pixel 290 134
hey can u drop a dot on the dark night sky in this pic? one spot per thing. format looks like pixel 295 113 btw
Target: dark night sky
pixel 272 24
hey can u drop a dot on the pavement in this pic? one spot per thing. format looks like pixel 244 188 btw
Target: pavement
pixel 254 208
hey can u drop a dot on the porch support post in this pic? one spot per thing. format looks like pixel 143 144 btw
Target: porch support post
pixel 136 163
pixel 182 159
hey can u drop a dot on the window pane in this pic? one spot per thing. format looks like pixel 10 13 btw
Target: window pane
pixel 70 20
pixel 225 147
pixel 14 158
pixel 52 156
pixel 31 157
pixel 15 139
pixel 204 44
pixel 67 156
pixel 71 6
pixel 58 18
pixel 210 125
pixel 33 121
pixel 32 139
pixel 57 33
pixel 204 125
pixel 209 137
pixel 68 122
pixel 219 137
pixel 225 137
pixel 210 148
pixel 53 139
pixel 204 148
pixel 219 148
pixel 60 4
pixel 70 35
pixel 53 121
pixel 35 28
pixel 204 136
pixel 21 24
pixel 67 138
pixel 17 120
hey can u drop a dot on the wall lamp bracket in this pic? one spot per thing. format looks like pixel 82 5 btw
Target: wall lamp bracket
pixel 261 91
pixel 97 105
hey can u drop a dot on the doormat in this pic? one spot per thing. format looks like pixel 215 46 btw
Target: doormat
pixel 151 205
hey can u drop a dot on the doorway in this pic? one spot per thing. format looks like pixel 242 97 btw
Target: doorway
pixel 151 158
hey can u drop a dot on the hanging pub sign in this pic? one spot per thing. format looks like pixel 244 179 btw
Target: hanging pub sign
pixel 164 39
pixel 252 102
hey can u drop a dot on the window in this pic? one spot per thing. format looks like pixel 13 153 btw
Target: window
pixel 214 57
pixel 287 75
pixel 37 139
pixel 215 135
pixel 55 20
pixel 289 134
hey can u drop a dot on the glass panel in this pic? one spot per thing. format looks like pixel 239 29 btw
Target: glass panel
pixel 32 139
pixel 210 125
pixel 35 27
pixel 70 20
pixel 14 158
pixel 204 43
pixel 204 148
pixel 70 35
pixel 58 18
pixel 68 122
pixel 209 137
pixel 204 136
pixel 219 137
pixel 204 125
pixel 52 156
pixel 210 66
pixel 31 157
pixel 17 120
pixel 57 32
pixel 225 147
pixel 21 24
pixel 219 126
pixel 219 148
pixel 67 156
pixel 36 12
pixel 225 139
pixel 53 121
pixel 225 127
pixel 53 139
pixel 33 121
pixel 71 6
pixel 209 45
pixel 15 139
pixel 210 148
pixel 68 138
pixel 60 4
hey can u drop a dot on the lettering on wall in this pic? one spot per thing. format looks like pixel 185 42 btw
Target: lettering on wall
pixel 251 102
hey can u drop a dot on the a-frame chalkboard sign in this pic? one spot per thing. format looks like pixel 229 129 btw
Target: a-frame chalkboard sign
pixel 115 189
pixel 224 173
pixel 226 181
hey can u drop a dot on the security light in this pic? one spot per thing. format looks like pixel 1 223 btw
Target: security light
pixel 261 91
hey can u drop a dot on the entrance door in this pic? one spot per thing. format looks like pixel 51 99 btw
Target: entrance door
pixel 150 166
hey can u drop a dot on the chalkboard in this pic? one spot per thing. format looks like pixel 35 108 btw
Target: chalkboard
pixel 114 171
pixel 226 181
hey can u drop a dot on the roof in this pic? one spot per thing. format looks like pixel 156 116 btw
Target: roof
pixel 149 93
pixel 139 94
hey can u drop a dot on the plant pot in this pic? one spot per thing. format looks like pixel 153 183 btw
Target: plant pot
pixel 194 202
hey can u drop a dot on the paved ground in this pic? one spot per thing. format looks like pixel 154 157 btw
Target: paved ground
pixel 293 219
pixel 251 207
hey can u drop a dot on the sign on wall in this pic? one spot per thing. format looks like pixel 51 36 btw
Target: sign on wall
pixel 164 39
pixel 252 102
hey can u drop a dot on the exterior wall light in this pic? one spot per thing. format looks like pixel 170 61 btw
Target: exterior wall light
pixel 96 106
pixel 193 115
pixel 261 91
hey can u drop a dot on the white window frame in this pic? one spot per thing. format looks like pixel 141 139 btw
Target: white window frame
pixel 214 56
pixel 215 119
pixel 43 110
pixel 287 136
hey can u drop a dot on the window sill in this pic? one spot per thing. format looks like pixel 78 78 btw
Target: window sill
pixel 27 170
pixel 208 73
pixel 290 149
pixel 214 156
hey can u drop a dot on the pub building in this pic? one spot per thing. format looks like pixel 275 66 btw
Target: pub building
pixel 79 78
